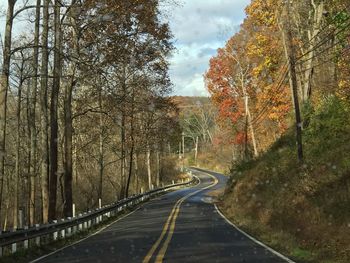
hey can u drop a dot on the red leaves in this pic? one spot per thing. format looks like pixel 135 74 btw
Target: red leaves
pixel 250 65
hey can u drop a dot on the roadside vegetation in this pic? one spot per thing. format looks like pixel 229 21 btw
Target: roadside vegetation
pixel 303 211
pixel 202 136
pixel 281 89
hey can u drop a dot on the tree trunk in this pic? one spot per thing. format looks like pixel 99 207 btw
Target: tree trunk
pixel 122 161
pixel 68 150
pixel 312 40
pixel 252 133
pixel 148 164
pixel 123 139
pixel 18 155
pixel 196 151
pixel 54 114
pixel 158 168
pixel 249 119
pixel 68 125
pixel 131 154
pixel 4 86
pixel 290 52
pixel 44 114
pixel 136 172
pixel 32 122
pixel 131 157
pixel 246 155
pixel 101 148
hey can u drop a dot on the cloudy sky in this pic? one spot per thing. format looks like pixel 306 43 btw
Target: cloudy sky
pixel 200 27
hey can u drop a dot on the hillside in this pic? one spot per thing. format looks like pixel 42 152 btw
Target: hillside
pixel 184 102
pixel 301 210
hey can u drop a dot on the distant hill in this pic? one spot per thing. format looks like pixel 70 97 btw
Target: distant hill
pixel 184 102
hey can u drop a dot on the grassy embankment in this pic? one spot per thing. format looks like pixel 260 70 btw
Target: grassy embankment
pixel 303 211
pixel 217 159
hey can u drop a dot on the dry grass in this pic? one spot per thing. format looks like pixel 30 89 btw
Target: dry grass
pixel 304 212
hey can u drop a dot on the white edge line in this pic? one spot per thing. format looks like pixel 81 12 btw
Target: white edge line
pixel 81 240
pixel 253 239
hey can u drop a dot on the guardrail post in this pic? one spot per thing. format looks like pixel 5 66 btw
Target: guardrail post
pixel 69 229
pixel 25 242
pixel 85 225
pixel 173 182
pixel 80 224
pixel 100 206
pixel 55 234
pixel 73 210
pixel 14 248
pixel 63 232
pixel 37 239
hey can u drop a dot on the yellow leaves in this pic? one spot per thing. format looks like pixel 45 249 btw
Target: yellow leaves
pixel 343 91
pixel 268 62
pixel 257 70
pixel 343 84
pixel 263 12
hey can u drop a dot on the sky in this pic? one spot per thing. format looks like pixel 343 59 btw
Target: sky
pixel 199 27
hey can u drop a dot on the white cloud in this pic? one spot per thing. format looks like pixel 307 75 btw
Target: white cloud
pixel 200 27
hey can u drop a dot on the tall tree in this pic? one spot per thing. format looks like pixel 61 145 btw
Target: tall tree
pixel 33 173
pixel 44 114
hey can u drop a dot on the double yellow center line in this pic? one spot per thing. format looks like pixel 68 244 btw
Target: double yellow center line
pixel 169 227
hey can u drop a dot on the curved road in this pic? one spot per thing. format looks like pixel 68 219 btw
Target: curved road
pixel 181 226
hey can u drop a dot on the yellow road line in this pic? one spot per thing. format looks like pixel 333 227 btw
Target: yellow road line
pixel 164 248
pixel 171 227
pixel 165 229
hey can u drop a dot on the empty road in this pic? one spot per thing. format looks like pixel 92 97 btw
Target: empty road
pixel 181 226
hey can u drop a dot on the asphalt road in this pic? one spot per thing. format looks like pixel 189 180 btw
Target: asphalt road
pixel 181 226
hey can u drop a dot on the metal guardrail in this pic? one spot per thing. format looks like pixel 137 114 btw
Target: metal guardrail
pixel 46 233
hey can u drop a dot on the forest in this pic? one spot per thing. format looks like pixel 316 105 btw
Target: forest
pixel 85 113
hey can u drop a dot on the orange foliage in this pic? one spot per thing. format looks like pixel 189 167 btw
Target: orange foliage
pixel 256 51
